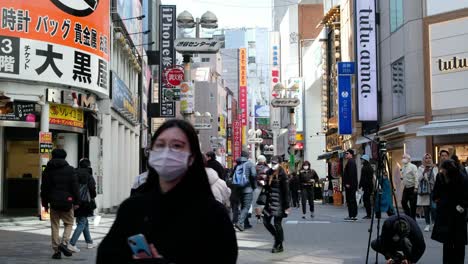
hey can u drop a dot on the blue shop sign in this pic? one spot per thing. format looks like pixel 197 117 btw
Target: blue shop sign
pixel 344 105
pixel 346 68
pixel 122 99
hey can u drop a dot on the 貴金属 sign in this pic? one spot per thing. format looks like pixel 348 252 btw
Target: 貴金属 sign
pixel 66 116
pixel 58 42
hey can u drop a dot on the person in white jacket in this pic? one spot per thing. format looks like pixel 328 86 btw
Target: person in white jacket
pixel 219 187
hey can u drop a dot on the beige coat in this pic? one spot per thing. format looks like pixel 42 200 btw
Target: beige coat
pixel 425 200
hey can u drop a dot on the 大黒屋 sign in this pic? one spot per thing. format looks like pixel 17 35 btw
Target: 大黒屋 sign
pixel 66 43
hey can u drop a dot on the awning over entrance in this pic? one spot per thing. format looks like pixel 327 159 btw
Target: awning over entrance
pixel 444 127
pixel 364 139
pixel 327 155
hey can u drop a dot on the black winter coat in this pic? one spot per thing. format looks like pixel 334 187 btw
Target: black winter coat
pixel 306 177
pixel 85 177
pixel 58 180
pixel 350 175
pixel 389 247
pixel 450 225
pixel 367 178
pixel 215 165
pixel 184 226
pixel 277 193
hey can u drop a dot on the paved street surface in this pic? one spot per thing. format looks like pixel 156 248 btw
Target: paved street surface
pixel 324 239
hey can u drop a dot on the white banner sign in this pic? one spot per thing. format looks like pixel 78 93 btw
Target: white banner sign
pixel 366 60
pixel 275 114
pixel 52 63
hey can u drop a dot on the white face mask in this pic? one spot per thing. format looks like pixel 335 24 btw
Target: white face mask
pixel 276 166
pixel 169 164
pixel 306 167
pixel 405 161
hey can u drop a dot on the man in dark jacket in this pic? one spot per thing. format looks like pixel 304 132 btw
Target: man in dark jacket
pixel 211 162
pixel 350 183
pixel 401 240
pixel 60 190
pixel 367 184
pixel 245 193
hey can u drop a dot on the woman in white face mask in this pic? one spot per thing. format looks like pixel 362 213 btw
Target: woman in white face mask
pixel 277 202
pixel 177 189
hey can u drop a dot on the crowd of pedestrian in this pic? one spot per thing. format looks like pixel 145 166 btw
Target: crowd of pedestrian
pixel 223 201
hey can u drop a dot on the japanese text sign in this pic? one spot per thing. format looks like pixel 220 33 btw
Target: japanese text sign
pixel 167 32
pixel 123 100
pixel 45 144
pixel 243 84
pixel 345 126
pixel 56 42
pixel 66 116
pixel 237 139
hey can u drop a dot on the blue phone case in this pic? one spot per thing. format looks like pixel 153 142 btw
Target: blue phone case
pixel 138 244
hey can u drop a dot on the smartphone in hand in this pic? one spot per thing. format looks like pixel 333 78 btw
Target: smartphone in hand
pixel 139 246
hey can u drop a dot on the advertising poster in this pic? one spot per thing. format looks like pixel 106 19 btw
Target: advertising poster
pixel 66 116
pixel 167 30
pixel 243 84
pixel 58 42
pixel 187 99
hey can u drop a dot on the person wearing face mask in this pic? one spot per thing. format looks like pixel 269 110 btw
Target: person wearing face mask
pixel 277 203
pixel 350 183
pixel 261 168
pixel 451 196
pixel 307 178
pixel 425 185
pixel 175 210
pixel 408 174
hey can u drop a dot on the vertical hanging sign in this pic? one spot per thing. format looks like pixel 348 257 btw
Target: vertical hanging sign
pixel 243 84
pixel 167 34
pixel 275 77
pixel 366 58
pixel 345 113
pixel 237 140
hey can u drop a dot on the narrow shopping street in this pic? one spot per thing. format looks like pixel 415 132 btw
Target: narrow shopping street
pixel 324 239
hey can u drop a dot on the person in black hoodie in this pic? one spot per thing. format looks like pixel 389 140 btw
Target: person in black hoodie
pixel 277 202
pixel 401 241
pixel 307 178
pixel 211 162
pixel 60 190
pixel 451 197
pixel 367 184
pixel 176 211
pixel 350 183
pixel 86 204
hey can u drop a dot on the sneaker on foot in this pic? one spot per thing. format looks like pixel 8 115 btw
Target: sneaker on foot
pixel 63 248
pixel 348 219
pixel 57 255
pixel 354 218
pixel 312 215
pixel 427 228
pixel 303 217
pixel 73 248
pixel 91 245
pixel 366 217
pixel 239 227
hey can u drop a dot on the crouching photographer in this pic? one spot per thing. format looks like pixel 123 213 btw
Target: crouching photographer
pixel 401 240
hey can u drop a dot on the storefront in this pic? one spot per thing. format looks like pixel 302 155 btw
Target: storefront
pixel 70 126
pixel 446 112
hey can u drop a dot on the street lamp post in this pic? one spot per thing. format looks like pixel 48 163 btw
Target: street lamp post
pixel 186 20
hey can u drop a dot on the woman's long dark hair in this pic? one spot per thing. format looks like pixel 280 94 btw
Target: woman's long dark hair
pixel 196 176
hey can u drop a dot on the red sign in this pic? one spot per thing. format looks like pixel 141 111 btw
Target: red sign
pixel 237 139
pixel 243 104
pixel 174 76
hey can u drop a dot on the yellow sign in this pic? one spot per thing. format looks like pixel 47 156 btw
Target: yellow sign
pixel 222 126
pixel 299 137
pixel 66 116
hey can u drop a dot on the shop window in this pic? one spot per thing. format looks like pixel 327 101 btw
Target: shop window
pixel 398 88
pixel 205 60
pixel 396 14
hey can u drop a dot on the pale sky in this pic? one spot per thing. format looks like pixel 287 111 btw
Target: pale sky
pixel 230 13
